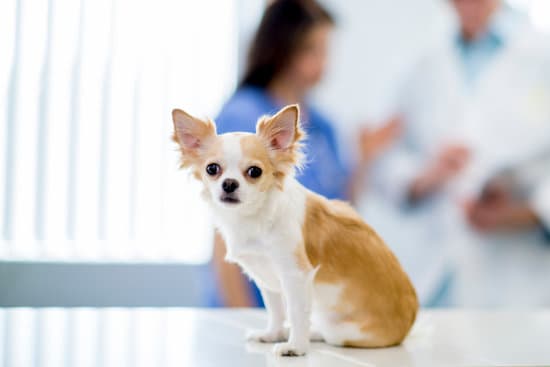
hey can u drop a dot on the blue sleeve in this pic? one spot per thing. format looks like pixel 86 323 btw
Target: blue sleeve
pixel 240 113
pixel 324 173
pixel 330 135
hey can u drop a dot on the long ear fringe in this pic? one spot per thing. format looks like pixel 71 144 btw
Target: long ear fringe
pixel 189 157
pixel 291 159
pixel 300 158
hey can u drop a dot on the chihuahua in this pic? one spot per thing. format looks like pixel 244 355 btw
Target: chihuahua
pixel 319 267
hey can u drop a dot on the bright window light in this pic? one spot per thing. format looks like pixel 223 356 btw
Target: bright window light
pixel 88 170
pixel 538 11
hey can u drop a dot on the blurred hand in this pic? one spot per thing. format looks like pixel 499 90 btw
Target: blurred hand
pixel 373 142
pixel 505 216
pixel 498 210
pixel 447 164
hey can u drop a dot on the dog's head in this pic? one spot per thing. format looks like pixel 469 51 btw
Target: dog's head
pixel 238 169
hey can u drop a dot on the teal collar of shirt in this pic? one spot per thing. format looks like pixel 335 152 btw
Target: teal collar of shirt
pixel 503 25
pixel 475 55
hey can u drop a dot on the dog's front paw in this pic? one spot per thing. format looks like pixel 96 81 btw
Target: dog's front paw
pixel 289 349
pixel 267 336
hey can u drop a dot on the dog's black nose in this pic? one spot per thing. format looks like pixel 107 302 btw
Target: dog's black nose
pixel 229 185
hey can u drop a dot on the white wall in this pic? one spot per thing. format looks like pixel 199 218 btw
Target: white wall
pixel 374 45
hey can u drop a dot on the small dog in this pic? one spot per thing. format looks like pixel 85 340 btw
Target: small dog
pixel 314 260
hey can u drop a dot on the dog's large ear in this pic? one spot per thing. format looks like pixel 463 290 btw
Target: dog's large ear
pixel 282 134
pixel 192 134
pixel 281 131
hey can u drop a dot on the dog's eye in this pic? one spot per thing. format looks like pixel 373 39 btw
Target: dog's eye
pixel 254 172
pixel 213 169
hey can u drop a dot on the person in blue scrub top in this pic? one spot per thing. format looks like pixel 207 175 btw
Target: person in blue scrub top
pixel 286 60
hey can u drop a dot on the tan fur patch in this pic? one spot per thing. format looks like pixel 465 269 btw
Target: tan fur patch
pixel 213 153
pixel 283 160
pixel 377 294
pixel 204 132
pixel 256 154
pixel 301 258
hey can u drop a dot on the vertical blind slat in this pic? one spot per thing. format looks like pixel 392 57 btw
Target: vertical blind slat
pixel 124 61
pixel 10 135
pixel 132 198
pixel 38 345
pixel 90 99
pixel 7 40
pixel 22 332
pixel 7 339
pixel 154 73
pixel 33 42
pixel 85 127
pixel 85 331
pixel 69 346
pixel 65 36
pixel 104 127
pixel 74 131
pixel 54 340
pixel 42 131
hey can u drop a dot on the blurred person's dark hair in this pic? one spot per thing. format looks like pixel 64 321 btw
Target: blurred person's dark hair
pixel 280 35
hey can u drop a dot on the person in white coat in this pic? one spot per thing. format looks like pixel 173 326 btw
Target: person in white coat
pixel 476 113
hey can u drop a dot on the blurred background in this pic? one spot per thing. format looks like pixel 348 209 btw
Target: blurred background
pixel 93 210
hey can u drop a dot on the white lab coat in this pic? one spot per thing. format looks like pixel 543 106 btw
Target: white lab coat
pixel 505 120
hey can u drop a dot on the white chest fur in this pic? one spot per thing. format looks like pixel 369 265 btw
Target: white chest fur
pixel 262 269
pixel 264 244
